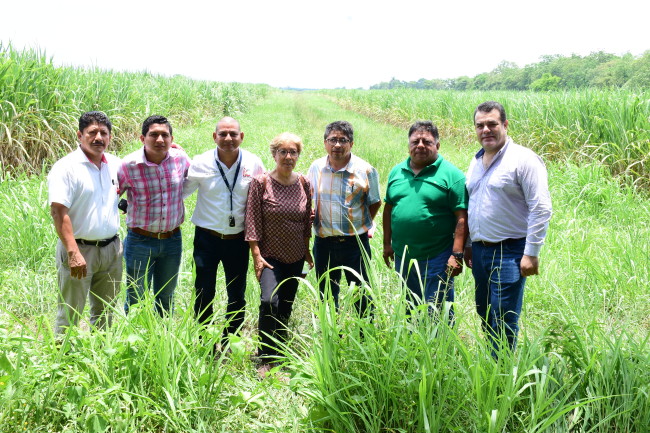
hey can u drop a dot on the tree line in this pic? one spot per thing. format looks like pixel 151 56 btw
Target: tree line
pixel 552 72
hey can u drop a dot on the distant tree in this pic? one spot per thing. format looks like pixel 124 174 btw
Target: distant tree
pixel 546 83
pixel 614 73
pixel 552 72
pixel 641 72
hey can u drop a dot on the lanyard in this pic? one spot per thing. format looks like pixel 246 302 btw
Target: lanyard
pixel 234 181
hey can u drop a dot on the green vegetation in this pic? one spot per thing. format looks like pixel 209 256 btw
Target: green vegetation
pixel 582 365
pixel 597 70
pixel 606 126
pixel 41 103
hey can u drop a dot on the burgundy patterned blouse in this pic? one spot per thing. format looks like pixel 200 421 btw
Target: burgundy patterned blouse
pixel 277 216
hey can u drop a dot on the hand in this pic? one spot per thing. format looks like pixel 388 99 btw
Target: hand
pixel 389 255
pixel 529 266
pixel 309 259
pixel 260 264
pixel 77 264
pixel 468 257
pixel 454 266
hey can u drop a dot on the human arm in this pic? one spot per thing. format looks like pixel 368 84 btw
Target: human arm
pixel 308 257
pixel 389 253
pixel 454 265
pixel 374 209
pixel 309 219
pixel 258 261
pixel 374 197
pixel 63 226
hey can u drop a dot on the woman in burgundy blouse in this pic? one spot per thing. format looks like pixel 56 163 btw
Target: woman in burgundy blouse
pixel 278 228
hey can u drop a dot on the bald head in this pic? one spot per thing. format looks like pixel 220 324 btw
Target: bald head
pixel 229 122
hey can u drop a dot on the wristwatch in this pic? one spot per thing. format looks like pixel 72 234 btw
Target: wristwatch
pixel 459 256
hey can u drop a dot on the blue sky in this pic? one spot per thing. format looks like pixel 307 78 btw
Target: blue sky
pixel 321 44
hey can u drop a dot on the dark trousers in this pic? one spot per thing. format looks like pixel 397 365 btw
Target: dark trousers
pixel 209 251
pixel 336 251
pixel 276 304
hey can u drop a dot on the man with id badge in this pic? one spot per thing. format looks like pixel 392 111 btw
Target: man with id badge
pixel 222 176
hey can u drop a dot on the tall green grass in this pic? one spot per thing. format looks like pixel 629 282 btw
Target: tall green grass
pixel 40 104
pixel 608 126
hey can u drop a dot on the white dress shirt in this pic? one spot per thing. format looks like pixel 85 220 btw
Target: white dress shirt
pixel 510 198
pixel 213 199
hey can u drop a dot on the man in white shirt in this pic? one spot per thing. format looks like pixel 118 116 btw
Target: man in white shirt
pixel 222 177
pixel 83 202
pixel 509 212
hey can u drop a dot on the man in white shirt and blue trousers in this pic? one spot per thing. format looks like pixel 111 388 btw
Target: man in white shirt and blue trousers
pixel 509 212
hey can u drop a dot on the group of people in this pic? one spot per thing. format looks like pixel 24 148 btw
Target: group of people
pixel 434 221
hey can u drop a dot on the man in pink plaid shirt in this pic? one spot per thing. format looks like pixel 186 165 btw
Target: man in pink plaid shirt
pixel 153 179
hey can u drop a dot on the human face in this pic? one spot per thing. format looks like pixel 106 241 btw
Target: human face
pixel 491 132
pixel 423 148
pixel 286 156
pixel 94 140
pixel 338 147
pixel 157 142
pixel 228 136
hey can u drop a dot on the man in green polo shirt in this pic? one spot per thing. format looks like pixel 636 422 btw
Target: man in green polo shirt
pixel 425 219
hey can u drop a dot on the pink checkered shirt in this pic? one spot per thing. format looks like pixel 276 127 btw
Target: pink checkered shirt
pixel 154 192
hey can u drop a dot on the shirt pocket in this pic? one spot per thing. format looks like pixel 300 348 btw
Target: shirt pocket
pixel 355 191
pixel 502 180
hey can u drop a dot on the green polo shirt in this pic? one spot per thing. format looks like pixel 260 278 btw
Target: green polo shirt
pixel 423 207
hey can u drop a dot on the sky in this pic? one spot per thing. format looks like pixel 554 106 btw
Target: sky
pixel 320 44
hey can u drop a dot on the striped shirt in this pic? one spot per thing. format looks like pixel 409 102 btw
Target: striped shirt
pixel 154 192
pixel 342 198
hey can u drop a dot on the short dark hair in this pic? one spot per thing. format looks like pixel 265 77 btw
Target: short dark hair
pixel 342 126
pixel 424 125
pixel 488 106
pixel 161 120
pixel 90 117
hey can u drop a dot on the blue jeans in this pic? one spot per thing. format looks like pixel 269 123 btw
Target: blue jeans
pixel 430 274
pixel 154 263
pixel 336 251
pixel 233 254
pixel 499 289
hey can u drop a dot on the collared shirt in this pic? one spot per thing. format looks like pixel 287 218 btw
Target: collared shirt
pixel 423 219
pixel 89 193
pixel 154 191
pixel 342 198
pixel 213 199
pixel 509 199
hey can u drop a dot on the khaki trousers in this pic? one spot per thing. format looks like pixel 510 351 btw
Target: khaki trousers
pixel 102 282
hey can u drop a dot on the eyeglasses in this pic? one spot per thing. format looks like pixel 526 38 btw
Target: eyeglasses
pixel 285 152
pixel 341 140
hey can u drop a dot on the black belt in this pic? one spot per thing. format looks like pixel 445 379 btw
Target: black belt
pixel 339 239
pixel 100 243
pixel 239 235
pixel 503 242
